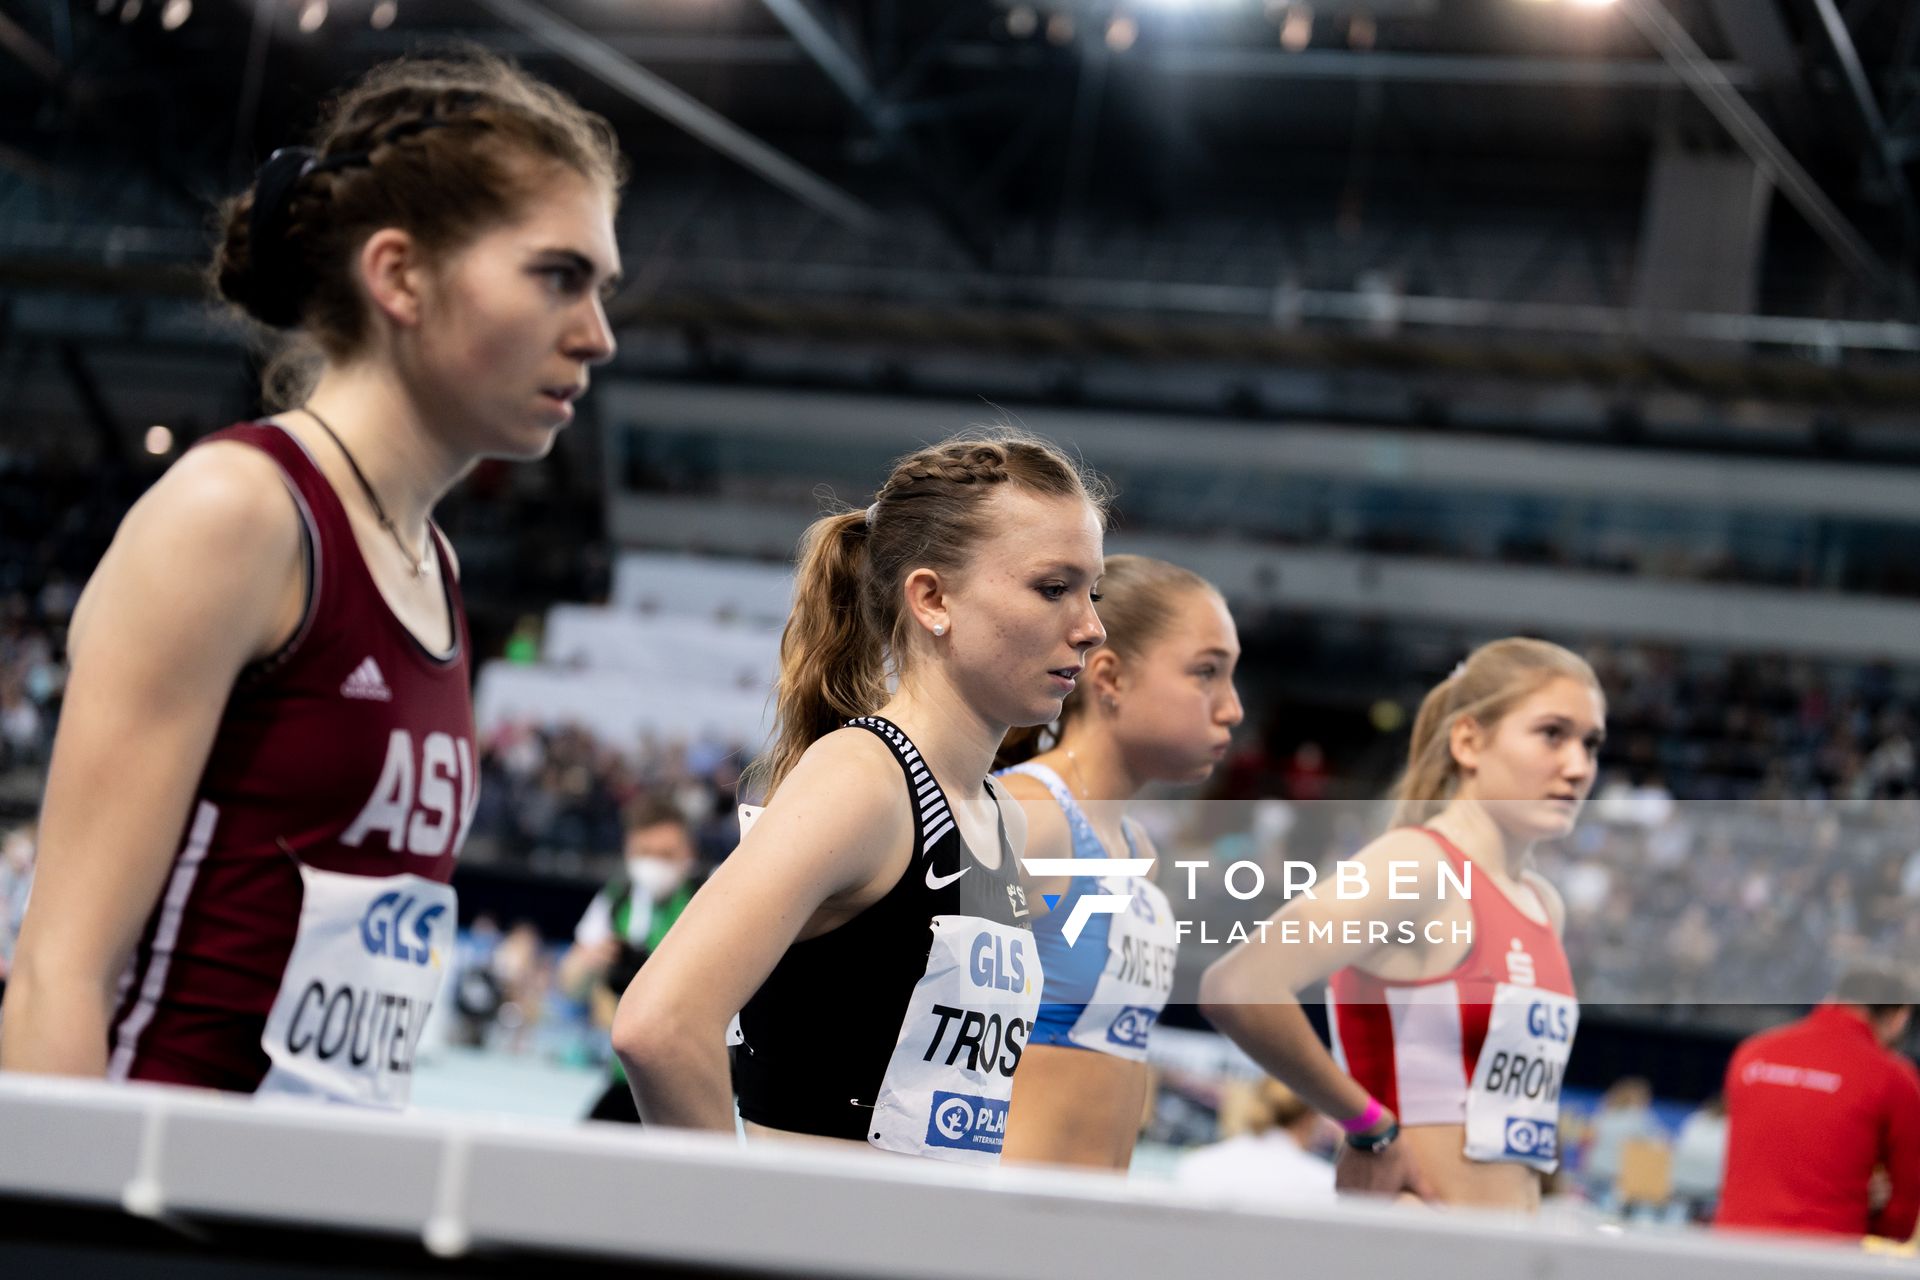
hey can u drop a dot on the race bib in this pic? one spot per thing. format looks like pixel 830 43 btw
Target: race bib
pixel 950 1078
pixel 368 959
pixel 1513 1104
pixel 1142 943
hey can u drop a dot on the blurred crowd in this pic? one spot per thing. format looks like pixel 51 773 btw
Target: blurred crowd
pixel 1736 902
pixel 55 523
pixel 1747 727
pixel 555 797
pixel 1670 904
pixel 1608 536
pixel 32 678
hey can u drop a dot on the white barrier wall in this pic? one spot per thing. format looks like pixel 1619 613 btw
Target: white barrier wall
pixel 771 1209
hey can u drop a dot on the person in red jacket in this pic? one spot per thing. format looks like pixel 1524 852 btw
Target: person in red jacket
pixel 1824 1118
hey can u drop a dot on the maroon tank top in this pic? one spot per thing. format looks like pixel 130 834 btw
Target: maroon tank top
pixel 351 749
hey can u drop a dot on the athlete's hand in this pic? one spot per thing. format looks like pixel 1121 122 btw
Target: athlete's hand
pixel 599 957
pixel 1390 1173
pixel 1879 1189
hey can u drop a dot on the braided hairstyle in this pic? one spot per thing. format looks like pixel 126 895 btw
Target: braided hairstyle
pixel 443 148
pixel 848 630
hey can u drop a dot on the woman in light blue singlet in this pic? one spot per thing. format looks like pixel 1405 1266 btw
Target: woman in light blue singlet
pixel 1155 704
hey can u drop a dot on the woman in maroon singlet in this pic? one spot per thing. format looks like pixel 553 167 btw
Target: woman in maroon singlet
pixel 266 763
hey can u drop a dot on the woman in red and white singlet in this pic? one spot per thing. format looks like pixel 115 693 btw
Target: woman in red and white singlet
pixel 266 763
pixel 1450 997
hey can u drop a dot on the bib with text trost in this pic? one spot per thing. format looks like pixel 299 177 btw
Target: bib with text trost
pixel 950 1078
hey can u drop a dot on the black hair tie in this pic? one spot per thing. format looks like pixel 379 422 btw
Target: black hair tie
pixel 277 291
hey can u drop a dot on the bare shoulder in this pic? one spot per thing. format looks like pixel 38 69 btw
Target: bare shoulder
pixel 858 750
pixel 848 780
pixel 1019 827
pixel 1549 898
pixel 838 823
pixel 1025 788
pixel 1043 830
pixel 1143 846
pixel 224 489
pixel 217 539
pixel 1403 845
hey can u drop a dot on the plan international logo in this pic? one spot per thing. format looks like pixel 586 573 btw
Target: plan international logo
pixel 1089 905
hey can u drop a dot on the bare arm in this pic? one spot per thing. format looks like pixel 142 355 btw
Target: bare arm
pixel 831 841
pixel 203 576
pixel 1249 993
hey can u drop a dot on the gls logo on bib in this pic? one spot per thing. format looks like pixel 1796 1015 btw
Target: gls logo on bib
pixel 389 921
pixel 967 1122
pixel 1533 1139
pixel 998 968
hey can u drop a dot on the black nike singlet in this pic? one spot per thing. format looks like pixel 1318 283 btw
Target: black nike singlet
pixel 820 1030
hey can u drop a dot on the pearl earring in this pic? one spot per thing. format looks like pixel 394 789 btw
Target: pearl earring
pixel 939 628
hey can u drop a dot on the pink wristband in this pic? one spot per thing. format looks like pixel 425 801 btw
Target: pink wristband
pixel 1366 1119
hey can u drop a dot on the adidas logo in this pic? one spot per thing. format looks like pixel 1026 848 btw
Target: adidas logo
pixel 367 682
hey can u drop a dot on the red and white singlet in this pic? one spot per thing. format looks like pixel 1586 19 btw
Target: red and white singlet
pixel 1485 1045
pixel 307 919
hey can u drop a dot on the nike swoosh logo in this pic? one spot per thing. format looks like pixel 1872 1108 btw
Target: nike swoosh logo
pixel 941 882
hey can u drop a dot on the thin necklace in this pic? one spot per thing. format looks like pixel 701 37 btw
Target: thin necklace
pixel 1074 764
pixel 417 564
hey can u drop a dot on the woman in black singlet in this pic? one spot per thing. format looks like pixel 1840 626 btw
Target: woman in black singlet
pixel 871 929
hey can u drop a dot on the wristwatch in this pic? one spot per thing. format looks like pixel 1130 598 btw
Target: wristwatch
pixel 1375 1143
